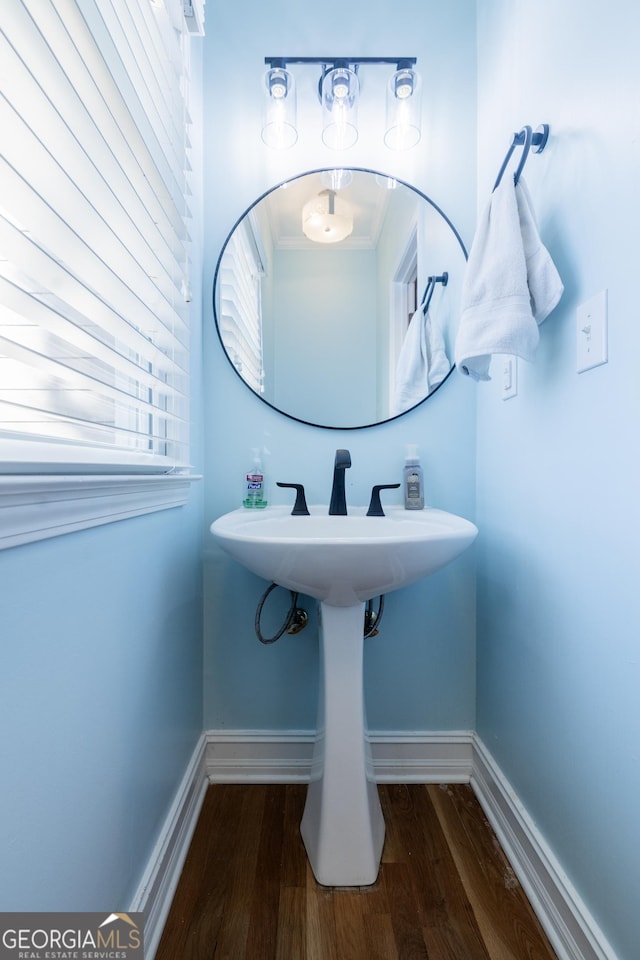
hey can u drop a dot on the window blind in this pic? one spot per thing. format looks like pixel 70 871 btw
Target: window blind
pixel 94 241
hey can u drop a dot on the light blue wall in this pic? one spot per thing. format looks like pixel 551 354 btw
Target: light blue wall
pixel 100 697
pixel 420 670
pixel 334 326
pixel 558 598
pixel 100 706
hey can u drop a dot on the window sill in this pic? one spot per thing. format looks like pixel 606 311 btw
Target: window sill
pixel 38 507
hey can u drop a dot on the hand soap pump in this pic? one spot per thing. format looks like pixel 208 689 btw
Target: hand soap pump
pixel 413 480
pixel 255 496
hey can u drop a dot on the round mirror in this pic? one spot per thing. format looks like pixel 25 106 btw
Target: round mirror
pixel 336 297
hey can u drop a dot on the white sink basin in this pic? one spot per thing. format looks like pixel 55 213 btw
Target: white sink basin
pixel 343 560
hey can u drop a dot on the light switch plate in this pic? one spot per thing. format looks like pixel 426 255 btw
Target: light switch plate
pixel 591 333
pixel 509 377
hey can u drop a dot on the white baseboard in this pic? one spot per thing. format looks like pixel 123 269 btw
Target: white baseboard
pixel 423 757
pixel 261 756
pixel 572 930
pixel 258 756
pixel 250 756
pixel 160 879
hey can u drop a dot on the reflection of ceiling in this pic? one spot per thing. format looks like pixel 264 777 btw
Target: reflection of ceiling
pixel 285 212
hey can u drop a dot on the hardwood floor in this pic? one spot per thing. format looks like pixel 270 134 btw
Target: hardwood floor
pixel 445 890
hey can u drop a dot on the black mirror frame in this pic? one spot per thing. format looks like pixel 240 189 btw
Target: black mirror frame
pixel 262 196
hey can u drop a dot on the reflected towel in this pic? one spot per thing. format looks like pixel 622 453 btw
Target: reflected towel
pixel 510 284
pixel 422 363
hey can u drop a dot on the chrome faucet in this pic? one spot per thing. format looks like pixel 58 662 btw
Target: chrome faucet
pixel 338 503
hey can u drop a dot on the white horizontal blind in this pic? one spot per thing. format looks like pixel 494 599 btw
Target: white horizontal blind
pixel 240 310
pixel 94 244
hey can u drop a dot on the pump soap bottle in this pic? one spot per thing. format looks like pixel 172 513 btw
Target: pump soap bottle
pixel 413 480
pixel 255 496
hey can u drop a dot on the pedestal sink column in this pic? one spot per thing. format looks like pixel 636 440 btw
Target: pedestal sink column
pixel 342 826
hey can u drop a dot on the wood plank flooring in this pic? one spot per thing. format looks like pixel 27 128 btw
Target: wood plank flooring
pixel 445 890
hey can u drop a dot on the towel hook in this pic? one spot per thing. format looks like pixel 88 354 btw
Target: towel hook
pixel 443 278
pixel 526 138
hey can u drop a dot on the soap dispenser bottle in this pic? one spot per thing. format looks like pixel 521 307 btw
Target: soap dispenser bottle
pixel 413 480
pixel 255 495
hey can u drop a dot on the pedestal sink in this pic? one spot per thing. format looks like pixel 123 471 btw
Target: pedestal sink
pixel 343 561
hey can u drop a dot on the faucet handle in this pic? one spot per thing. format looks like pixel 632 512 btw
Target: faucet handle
pixel 375 507
pixel 300 508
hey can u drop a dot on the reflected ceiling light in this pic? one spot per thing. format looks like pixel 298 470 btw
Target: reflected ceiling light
pixel 327 218
pixel 339 90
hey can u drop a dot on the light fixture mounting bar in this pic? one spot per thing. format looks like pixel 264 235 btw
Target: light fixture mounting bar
pixel 351 61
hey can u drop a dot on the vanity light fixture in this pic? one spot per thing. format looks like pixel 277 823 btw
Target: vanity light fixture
pixel 339 91
pixel 386 183
pixel 279 116
pixel 327 218
pixel 403 108
pixel 336 179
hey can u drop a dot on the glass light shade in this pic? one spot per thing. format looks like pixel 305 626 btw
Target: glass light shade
pixel 340 89
pixel 336 179
pixel 404 96
pixel 279 115
pixel 327 218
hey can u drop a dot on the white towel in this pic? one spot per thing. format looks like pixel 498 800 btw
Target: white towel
pixel 543 280
pixel 510 284
pixel 422 363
